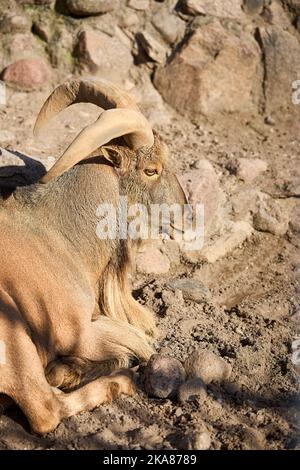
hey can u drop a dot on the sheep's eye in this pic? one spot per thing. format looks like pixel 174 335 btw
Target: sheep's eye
pixel 150 171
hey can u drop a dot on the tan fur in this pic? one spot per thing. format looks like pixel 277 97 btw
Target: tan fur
pixel 67 313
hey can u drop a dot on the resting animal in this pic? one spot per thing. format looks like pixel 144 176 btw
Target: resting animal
pixel 66 308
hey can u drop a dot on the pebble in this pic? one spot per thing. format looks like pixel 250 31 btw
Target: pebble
pixel 270 121
pixel 162 376
pixel 191 390
pixel 192 289
pixel 208 366
pixel 197 440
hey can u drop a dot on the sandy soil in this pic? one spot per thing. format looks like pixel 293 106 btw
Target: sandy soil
pixel 251 321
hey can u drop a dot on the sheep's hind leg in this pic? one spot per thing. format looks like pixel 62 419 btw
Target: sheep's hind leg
pixel 107 345
pixel 45 406
pixel 103 390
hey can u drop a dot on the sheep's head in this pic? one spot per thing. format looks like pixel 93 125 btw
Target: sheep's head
pixel 124 137
pixel 145 174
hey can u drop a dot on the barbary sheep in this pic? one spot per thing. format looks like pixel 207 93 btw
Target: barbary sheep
pixel 66 307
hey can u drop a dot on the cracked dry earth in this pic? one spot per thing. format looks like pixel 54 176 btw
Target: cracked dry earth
pixel 250 320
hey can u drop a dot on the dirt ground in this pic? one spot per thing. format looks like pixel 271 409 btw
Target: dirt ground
pixel 251 319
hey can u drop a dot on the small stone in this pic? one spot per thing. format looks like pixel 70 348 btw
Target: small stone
pixel 191 390
pixel 250 168
pixel 152 261
pixel 172 250
pixel 232 388
pixel 202 187
pixel 178 412
pixel 192 289
pixel 162 376
pixel 218 8
pixel 128 19
pixel 169 26
pixel 272 215
pixel 208 366
pixel 14 24
pixel 270 121
pixel 153 48
pixel 27 73
pixel 90 7
pixel 252 439
pixel 236 234
pixel 197 440
pixel 139 5
pixel 171 299
pixel 253 7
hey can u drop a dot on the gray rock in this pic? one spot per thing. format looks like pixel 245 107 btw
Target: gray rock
pixel 153 48
pixel 218 8
pixel 139 5
pixel 253 7
pixel 163 376
pixel 272 215
pixel 192 289
pixel 208 366
pixel 90 7
pixel 281 51
pixel 199 439
pixel 170 27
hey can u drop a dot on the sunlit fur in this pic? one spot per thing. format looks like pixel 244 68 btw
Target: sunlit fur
pixel 66 308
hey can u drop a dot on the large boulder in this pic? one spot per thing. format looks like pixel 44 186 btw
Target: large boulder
pixel 215 71
pixel 281 52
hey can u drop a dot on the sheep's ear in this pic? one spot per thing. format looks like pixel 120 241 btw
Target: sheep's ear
pixel 112 155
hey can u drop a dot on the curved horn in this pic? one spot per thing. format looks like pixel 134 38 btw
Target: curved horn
pixel 111 124
pixel 99 92
pixel 126 120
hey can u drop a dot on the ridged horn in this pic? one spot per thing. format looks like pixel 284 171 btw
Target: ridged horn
pixel 125 120
pixel 111 124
